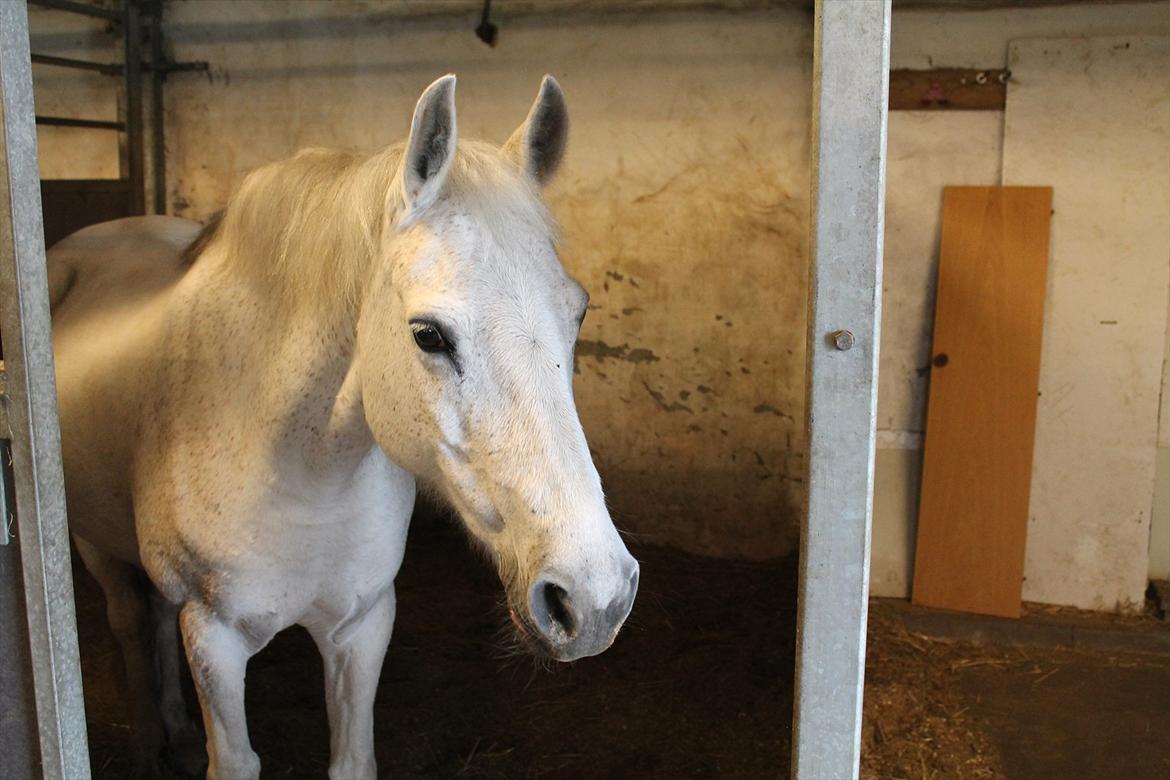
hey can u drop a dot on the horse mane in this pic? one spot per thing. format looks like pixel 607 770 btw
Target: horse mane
pixel 309 228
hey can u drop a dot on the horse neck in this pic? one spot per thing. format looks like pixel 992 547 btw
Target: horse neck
pixel 299 327
pixel 298 365
pixel 325 404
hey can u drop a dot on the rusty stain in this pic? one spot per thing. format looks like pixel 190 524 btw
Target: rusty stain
pixel 603 351
pixel 769 409
pixel 661 401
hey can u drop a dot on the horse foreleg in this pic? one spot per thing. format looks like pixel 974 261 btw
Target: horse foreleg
pixel 128 610
pixel 353 657
pixel 184 742
pixel 218 655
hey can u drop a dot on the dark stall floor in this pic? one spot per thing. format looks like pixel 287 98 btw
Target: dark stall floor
pixel 699 684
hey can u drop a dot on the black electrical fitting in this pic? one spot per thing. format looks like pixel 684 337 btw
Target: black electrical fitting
pixel 487 32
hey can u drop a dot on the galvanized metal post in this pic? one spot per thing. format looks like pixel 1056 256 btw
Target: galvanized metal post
pixel 32 416
pixel 132 47
pixel 158 144
pixel 850 83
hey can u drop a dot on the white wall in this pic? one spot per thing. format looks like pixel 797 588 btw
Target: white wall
pixel 684 201
pixel 1105 312
pixel 928 150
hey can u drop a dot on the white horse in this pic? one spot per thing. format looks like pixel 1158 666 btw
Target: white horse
pixel 245 413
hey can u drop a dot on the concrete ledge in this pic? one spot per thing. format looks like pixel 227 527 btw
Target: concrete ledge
pixel 1084 631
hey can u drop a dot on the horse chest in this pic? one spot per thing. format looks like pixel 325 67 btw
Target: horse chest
pixel 292 553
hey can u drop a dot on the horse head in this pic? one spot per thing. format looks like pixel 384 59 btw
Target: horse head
pixel 465 343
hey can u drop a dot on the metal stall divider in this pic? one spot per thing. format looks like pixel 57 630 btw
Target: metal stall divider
pixel 30 403
pixel 137 26
pixel 850 101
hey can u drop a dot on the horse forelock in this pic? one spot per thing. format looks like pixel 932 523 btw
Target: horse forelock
pixel 310 228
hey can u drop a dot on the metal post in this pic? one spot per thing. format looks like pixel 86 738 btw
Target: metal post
pixel 158 144
pixel 132 30
pixel 32 416
pixel 850 82
pixel 73 7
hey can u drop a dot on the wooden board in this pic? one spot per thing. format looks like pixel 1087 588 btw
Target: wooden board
pixel 948 89
pixel 981 414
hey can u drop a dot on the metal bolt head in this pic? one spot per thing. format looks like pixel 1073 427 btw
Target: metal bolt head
pixel 842 340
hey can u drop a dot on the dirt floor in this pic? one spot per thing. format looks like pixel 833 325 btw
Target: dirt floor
pixel 698 685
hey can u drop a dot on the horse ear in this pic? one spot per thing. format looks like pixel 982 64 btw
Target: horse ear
pixel 538 145
pixel 431 147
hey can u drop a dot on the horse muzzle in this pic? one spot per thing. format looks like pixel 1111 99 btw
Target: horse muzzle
pixel 563 621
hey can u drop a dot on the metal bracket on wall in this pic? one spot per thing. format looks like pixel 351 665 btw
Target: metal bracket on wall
pixel 6 517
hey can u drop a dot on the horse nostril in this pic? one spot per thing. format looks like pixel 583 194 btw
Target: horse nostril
pixel 620 607
pixel 553 611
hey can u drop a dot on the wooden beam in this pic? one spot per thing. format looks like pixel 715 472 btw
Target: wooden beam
pixel 949 89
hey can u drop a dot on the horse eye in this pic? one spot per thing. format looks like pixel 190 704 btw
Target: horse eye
pixel 429 338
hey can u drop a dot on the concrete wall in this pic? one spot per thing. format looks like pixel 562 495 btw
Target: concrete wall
pixel 684 202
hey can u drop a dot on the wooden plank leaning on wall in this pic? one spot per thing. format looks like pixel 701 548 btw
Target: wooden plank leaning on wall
pixel 981 418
